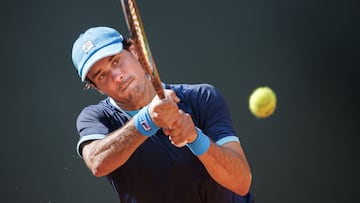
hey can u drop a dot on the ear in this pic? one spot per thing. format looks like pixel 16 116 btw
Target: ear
pixel 132 50
pixel 99 90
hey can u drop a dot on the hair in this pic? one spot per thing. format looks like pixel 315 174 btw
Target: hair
pixel 127 42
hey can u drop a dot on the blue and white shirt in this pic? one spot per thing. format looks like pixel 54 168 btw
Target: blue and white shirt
pixel 159 171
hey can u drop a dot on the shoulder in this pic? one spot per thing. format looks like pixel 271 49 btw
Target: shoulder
pixel 195 90
pixel 185 87
pixel 102 110
pixel 199 96
pixel 100 118
pixel 103 107
pixel 96 109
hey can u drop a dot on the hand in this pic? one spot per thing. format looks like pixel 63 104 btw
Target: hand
pixel 164 112
pixel 182 130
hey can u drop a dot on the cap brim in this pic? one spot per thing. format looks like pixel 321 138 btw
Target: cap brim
pixel 101 53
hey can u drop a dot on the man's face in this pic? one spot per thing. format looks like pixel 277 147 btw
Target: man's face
pixel 121 77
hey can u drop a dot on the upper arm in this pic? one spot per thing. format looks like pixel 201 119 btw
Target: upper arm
pixel 235 147
pixel 88 152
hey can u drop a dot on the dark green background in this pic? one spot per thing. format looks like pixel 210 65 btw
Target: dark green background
pixel 306 50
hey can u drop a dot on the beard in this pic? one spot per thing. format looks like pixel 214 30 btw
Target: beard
pixel 132 95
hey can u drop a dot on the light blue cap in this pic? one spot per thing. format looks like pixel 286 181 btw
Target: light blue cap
pixel 93 45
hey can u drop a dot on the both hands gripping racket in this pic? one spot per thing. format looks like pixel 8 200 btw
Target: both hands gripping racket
pixel 137 34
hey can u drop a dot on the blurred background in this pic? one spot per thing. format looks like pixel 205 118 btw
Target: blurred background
pixel 307 51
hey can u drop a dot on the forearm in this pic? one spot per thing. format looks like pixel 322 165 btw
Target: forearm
pixel 104 156
pixel 228 166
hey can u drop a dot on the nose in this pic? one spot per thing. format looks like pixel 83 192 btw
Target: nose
pixel 118 76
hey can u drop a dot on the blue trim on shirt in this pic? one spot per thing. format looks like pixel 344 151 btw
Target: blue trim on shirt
pixel 88 138
pixel 228 139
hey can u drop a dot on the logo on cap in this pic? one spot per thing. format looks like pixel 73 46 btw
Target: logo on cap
pixel 88 46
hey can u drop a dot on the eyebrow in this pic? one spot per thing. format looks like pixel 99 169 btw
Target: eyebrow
pixel 111 57
pixel 95 74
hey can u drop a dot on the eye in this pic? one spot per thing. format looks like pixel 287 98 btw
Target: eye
pixel 101 76
pixel 115 61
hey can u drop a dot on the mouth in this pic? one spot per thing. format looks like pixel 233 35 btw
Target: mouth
pixel 125 84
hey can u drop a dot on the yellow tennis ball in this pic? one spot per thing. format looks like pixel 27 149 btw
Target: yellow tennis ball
pixel 262 102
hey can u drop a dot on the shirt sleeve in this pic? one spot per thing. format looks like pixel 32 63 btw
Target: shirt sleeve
pixel 91 124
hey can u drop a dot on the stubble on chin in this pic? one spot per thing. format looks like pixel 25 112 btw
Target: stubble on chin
pixel 135 94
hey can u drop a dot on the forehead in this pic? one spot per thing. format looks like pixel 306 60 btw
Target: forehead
pixel 104 62
pixel 99 64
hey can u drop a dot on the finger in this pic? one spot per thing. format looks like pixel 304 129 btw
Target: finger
pixel 178 121
pixel 177 139
pixel 166 131
pixel 185 132
pixel 177 144
pixel 181 144
pixel 164 113
pixel 172 96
